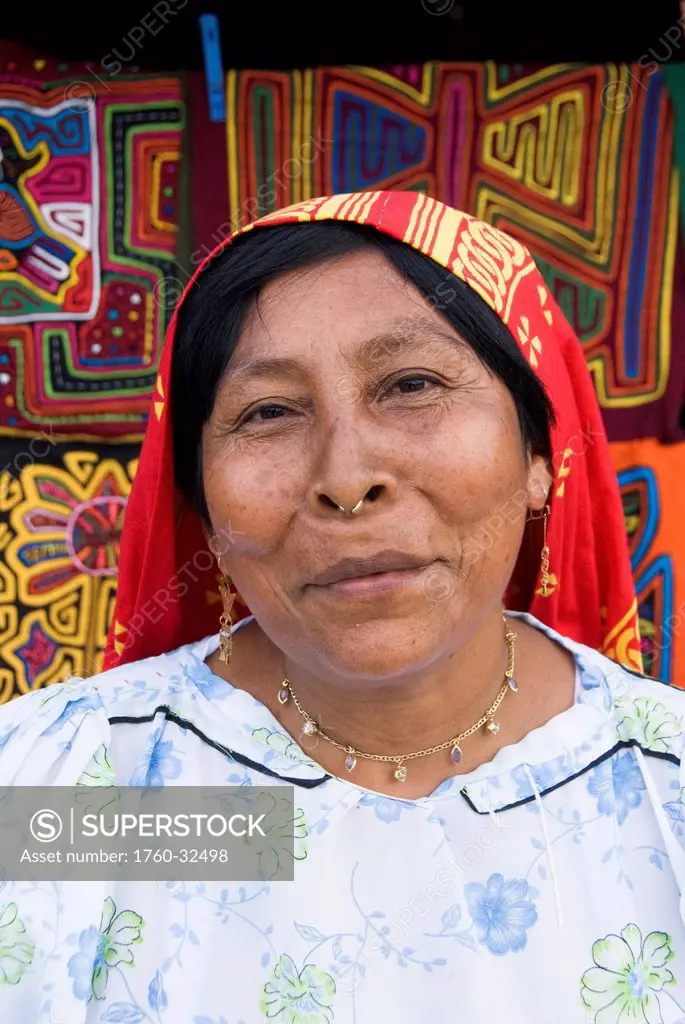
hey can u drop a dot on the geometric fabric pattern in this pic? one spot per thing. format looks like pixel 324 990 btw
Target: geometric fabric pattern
pixel 650 477
pixel 61 515
pixel 573 160
pixel 89 209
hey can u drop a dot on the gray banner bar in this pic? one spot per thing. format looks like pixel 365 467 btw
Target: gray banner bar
pixel 138 833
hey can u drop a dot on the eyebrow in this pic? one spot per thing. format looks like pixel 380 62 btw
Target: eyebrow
pixel 396 340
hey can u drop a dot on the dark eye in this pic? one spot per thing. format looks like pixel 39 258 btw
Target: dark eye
pixel 413 384
pixel 265 412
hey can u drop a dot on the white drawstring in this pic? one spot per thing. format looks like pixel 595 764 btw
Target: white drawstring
pixel 676 854
pixel 491 811
pixel 548 845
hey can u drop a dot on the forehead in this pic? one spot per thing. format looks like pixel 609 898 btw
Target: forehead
pixel 358 295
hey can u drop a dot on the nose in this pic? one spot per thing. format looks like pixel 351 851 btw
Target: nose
pixel 351 468
pixel 347 505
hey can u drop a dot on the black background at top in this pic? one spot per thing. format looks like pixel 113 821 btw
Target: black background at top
pixel 300 33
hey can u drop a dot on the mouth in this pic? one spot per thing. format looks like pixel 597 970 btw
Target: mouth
pixel 377 582
pixel 386 570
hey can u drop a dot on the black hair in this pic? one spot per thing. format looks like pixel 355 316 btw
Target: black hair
pixel 212 317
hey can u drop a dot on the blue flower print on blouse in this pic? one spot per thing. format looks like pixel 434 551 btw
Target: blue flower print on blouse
pixel 103 949
pixel 385 808
pixel 82 964
pixel 157 763
pixel 445 786
pixel 201 677
pixel 74 708
pixel 7 736
pixel 617 785
pixel 501 912
pixel 676 809
pixel 592 678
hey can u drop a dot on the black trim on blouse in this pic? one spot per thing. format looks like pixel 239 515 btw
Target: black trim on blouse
pixel 183 723
pixel 621 745
pixel 255 766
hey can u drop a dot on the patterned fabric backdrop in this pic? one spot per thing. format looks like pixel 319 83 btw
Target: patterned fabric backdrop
pixel 576 161
pixel 651 478
pixel 90 194
pixel 61 513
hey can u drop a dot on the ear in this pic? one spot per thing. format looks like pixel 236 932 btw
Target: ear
pixel 539 483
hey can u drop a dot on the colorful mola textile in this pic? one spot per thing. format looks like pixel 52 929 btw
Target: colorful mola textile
pixel 89 205
pixel 651 479
pixel 61 512
pixel 675 82
pixel 573 160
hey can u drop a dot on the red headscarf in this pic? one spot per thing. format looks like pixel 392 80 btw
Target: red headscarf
pixel 168 593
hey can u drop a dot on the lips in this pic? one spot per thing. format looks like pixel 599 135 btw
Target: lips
pixel 382 562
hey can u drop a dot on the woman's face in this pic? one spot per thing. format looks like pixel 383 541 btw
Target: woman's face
pixel 346 383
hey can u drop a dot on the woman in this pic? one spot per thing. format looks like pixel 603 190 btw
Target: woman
pixel 373 423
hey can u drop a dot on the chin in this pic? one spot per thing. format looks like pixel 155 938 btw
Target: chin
pixel 382 649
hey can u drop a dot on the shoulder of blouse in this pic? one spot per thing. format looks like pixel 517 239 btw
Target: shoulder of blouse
pixel 64 724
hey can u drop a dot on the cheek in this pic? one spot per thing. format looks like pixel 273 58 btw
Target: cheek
pixel 248 502
pixel 483 490
pixel 478 468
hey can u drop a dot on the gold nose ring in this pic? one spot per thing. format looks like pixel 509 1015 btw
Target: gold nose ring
pixel 353 511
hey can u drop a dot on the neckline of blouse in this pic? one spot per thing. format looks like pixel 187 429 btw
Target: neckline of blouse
pixel 561 748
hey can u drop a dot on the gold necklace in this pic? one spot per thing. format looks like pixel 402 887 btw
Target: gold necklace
pixel 487 721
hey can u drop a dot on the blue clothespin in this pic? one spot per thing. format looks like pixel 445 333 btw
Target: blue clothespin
pixel 214 68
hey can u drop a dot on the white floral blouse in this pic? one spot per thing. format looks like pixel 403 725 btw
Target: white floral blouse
pixel 545 886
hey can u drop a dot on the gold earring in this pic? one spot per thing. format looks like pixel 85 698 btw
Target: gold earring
pixel 225 637
pixel 544 554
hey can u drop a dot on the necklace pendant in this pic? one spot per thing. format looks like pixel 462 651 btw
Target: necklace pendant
pixel 283 695
pixel 309 728
pixel 513 685
pixel 492 726
pixel 350 761
pixel 401 773
pixel 455 753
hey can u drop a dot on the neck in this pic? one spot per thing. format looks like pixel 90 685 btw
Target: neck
pixel 425 709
